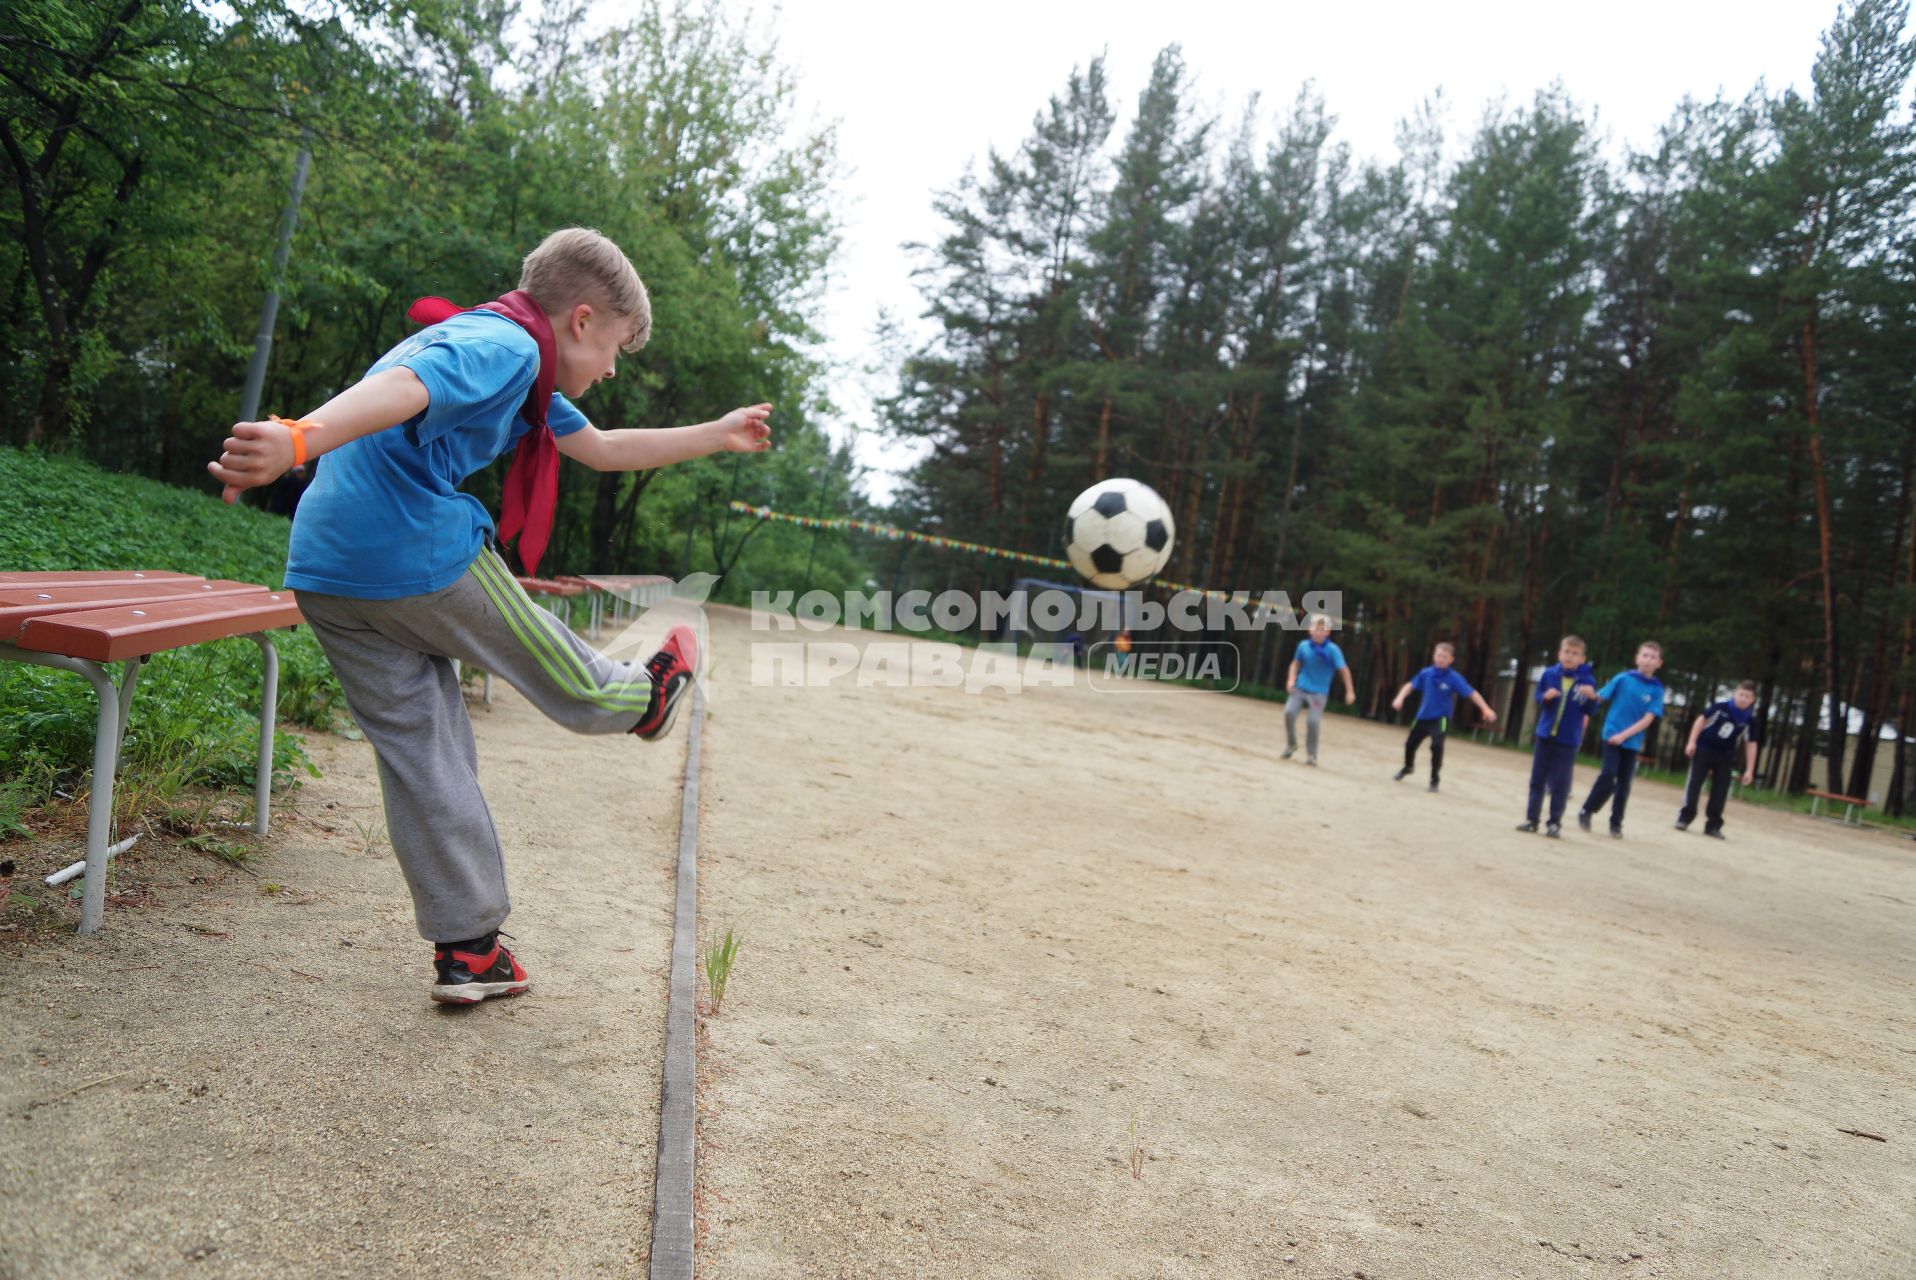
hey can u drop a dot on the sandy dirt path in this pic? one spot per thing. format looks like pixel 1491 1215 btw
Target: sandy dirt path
pixel 1361 1030
pixel 279 1097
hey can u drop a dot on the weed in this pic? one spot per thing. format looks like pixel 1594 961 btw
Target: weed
pixel 718 968
pixel 1137 1151
pixel 235 853
pixel 372 837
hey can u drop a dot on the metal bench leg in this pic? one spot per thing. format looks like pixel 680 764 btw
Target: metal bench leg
pixel 106 759
pixel 268 713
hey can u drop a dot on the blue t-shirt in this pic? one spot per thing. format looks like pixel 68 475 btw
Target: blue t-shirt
pixel 384 518
pixel 1440 687
pixel 1562 718
pixel 1726 727
pixel 1317 663
pixel 1630 694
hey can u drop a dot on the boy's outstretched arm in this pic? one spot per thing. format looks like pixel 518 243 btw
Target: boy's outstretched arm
pixel 740 431
pixel 1644 722
pixel 1397 703
pixel 1483 708
pixel 259 453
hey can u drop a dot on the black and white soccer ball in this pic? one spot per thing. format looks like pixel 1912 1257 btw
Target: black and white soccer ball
pixel 1118 533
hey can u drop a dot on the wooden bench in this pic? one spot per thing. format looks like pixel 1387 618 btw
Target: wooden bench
pixel 1850 804
pixel 79 622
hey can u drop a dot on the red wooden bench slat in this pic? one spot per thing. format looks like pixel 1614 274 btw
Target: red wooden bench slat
pixel 108 635
pixel 91 578
pixel 551 586
pixel 1831 795
pixel 18 605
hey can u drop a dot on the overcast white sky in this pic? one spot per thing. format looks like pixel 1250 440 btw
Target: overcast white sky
pixel 919 91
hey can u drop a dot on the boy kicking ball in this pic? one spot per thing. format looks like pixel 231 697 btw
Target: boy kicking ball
pixel 395 570
pixel 1439 687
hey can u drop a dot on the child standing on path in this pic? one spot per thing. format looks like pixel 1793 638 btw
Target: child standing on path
pixel 1636 702
pixel 1725 730
pixel 1318 659
pixel 1565 693
pixel 1439 687
pixel 395 571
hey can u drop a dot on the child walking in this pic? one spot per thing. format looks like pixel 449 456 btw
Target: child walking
pixel 1636 702
pixel 1565 692
pixel 1725 730
pixel 396 573
pixel 1440 688
pixel 1317 660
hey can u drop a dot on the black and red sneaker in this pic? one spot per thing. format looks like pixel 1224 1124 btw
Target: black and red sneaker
pixel 470 972
pixel 672 669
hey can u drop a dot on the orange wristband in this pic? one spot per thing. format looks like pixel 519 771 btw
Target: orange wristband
pixel 299 427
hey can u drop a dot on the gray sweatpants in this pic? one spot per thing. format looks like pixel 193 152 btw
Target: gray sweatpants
pixel 1298 701
pixel 394 662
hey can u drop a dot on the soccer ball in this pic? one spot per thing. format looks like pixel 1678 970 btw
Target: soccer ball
pixel 1118 533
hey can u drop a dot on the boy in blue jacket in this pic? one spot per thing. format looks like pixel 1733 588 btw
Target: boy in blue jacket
pixel 1566 691
pixel 396 572
pixel 1636 703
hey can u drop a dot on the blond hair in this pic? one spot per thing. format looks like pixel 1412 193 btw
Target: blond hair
pixel 580 265
pixel 1324 618
pixel 1574 642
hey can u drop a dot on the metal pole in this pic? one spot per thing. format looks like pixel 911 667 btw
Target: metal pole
pixel 269 311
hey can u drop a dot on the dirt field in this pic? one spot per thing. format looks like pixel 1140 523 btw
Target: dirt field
pixel 265 1090
pixel 1359 1029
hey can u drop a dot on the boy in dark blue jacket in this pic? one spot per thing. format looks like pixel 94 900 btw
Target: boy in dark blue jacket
pixel 1723 737
pixel 1636 702
pixel 1566 692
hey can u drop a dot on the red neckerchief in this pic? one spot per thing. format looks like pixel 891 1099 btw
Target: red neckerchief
pixel 531 494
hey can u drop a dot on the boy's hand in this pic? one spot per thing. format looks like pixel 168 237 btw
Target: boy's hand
pixel 1396 704
pixel 1616 739
pixel 1749 776
pixel 745 430
pixel 1550 695
pixel 256 453
pixel 1350 697
pixel 1689 750
pixel 1586 691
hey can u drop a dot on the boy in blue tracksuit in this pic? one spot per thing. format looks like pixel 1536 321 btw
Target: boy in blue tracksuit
pixel 1566 691
pixel 1636 702
pixel 1439 687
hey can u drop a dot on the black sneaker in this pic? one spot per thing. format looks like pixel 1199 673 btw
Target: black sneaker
pixel 467 977
pixel 671 669
pixel 1400 775
pixel 1682 825
pixel 1554 830
pixel 1714 835
pixel 1583 819
pixel 1527 826
pixel 1433 784
pixel 1616 832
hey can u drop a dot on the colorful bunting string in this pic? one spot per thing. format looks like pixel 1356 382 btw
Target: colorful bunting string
pixel 893 533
